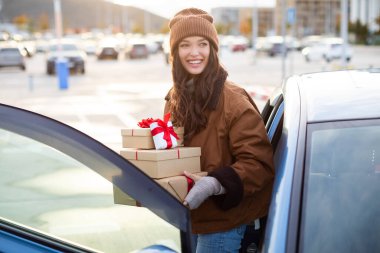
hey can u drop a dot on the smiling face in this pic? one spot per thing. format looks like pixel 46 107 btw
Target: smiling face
pixel 194 54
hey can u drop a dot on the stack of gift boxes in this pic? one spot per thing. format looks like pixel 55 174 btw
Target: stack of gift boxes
pixel 166 165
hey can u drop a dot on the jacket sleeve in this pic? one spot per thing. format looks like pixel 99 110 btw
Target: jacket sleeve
pixel 251 148
pixel 233 185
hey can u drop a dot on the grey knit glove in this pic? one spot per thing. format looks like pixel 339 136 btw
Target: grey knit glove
pixel 203 188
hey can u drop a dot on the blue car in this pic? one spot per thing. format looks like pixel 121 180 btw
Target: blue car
pixel 56 182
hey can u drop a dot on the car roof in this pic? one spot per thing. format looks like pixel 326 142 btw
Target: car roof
pixel 340 95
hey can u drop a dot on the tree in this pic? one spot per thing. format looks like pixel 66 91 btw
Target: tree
pixel 223 28
pixel 246 26
pixel 165 28
pixel 21 21
pixel 377 20
pixel 360 30
pixel 137 29
pixel 43 22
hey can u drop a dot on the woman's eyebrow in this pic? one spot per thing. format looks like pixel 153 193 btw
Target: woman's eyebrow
pixel 202 40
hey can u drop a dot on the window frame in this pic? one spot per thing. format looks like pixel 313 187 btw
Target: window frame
pixel 104 161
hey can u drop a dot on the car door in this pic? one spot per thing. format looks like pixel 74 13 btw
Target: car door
pixel 273 114
pixel 56 178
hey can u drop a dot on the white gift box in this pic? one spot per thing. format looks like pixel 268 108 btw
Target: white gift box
pixel 163 137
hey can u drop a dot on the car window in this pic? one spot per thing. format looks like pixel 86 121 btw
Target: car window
pixel 65 47
pixel 273 114
pixel 10 51
pixel 275 128
pixel 270 107
pixel 340 210
pixel 43 188
pixel 139 46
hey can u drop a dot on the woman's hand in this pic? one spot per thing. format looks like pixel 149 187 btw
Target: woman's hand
pixel 203 188
pixel 194 177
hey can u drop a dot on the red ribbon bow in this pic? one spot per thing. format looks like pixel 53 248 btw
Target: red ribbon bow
pixel 145 123
pixel 162 127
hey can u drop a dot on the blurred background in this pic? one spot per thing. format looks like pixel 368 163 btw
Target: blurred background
pixel 101 66
pixel 116 52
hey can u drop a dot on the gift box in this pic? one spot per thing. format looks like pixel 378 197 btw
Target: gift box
pixel 178 186
pixel 166 162
pixel 119 197
pixel 142 137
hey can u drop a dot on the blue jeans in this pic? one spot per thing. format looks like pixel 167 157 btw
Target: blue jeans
pixel 223 242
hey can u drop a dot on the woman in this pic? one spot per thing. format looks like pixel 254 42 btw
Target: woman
pixel 222 119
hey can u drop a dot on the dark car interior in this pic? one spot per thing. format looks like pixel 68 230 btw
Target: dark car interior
pixel 255 232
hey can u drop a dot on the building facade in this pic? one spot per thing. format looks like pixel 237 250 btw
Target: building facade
pixel 322 17
pixel 366 11
pixel 234 19
pixel 312 17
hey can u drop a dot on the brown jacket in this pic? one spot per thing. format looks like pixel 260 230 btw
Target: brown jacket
pixel 236 150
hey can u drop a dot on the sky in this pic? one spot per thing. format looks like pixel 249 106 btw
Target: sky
pixel 167 8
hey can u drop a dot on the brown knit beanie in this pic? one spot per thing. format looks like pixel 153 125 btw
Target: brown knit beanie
pixel 192 22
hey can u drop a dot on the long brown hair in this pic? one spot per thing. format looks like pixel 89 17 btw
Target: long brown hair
pixel 192 97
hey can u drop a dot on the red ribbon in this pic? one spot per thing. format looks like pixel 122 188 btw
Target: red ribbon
pixel 162 127
pixel 145 123
pixel 190 183
pixel 167 130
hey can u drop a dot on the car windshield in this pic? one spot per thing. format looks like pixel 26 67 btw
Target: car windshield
pixel 10 51
pixel 65 47
pixel 340 210
pixel 336 45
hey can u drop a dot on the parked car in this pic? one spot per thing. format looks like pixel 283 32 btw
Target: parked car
pixel 107 52
pixel 325 130
pixel 239 44
pixel 137 49
pixel 234 43
pixel 277 48
pixel 12 56
pixel 327 49
pixel 70 50
pixel 326 153
pixel 90 46
pixel 108 49
pixel 274 45
pixel 310 40
pixel 335 52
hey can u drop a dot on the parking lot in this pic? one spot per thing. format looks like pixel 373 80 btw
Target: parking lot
pixel 113 94
pixel 74 202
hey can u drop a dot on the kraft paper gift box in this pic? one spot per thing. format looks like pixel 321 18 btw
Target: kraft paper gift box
pixel 164 162
pixel 177 186
pixel 142 137
pixel 119 197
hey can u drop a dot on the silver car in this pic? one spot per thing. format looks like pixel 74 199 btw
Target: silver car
pixel 12 57
pixel 325 129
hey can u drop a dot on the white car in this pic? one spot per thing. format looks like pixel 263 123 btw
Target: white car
pixel 70 50
pixel 328 49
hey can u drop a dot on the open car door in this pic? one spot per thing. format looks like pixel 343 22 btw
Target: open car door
pixel 31 132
